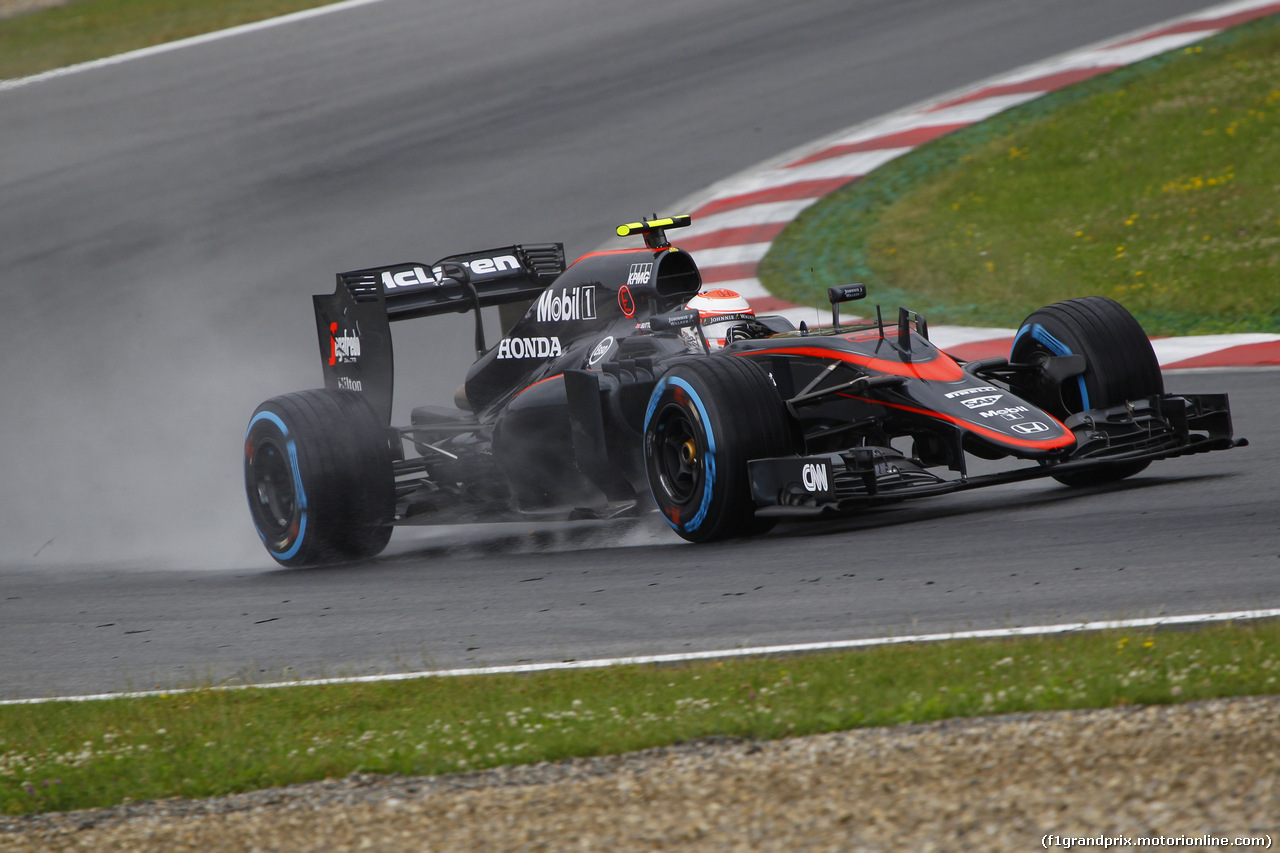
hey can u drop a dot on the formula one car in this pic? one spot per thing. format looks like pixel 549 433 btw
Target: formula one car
pixel 607 398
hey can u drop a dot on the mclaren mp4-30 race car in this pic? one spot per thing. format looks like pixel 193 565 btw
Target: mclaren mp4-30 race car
pixel 625 386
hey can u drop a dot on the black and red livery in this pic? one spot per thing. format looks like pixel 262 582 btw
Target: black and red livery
pixel 604 400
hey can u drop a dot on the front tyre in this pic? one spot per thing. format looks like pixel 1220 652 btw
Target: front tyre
pixel 1120 366
pixel 318 476
pixel 706 418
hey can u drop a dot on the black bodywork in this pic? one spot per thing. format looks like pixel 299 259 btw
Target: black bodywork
pixel 551 420
pixel 561 394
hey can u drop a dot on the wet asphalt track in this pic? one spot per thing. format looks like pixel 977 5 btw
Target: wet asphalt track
pixel 163 222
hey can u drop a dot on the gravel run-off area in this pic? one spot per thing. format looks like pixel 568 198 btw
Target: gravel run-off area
pixel 990 784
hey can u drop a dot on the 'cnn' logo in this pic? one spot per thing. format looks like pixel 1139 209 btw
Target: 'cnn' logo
pixel 814 477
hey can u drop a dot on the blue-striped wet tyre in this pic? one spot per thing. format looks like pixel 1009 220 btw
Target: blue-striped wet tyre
pixel 1120 365
pixel 318 475
pixel 707 416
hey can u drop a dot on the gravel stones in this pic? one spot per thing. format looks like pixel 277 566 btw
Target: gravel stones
pixel 993 784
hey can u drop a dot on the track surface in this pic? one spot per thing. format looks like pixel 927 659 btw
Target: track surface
pixel 165 220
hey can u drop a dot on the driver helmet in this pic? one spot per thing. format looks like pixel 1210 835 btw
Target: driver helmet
pixel 719 310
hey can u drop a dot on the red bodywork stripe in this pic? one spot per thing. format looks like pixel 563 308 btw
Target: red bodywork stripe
pixel 975 350
pixel 535 384
pixel 633 249
pixel 941 369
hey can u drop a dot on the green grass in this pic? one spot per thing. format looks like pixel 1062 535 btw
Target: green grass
pixel 1152 158
pixel 68 755
pixel 92 29
pixel 1157 185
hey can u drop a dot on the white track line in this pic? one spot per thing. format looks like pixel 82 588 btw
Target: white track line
pixel 688 657
pixel 752 179
pixel 167 47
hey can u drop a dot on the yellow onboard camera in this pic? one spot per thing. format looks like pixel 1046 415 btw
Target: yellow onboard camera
pixel 654 230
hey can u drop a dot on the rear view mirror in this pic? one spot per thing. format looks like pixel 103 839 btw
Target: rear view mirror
pixel 846 293
pixel 843 293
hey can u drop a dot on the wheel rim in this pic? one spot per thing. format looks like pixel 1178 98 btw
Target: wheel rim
pixel 271 489
pixel 677 455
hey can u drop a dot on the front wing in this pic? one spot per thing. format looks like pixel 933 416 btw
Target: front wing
pixel 1159 427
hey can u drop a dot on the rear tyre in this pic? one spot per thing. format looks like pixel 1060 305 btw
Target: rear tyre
pixel 318 476
pixel 706 418
pixel 1120 365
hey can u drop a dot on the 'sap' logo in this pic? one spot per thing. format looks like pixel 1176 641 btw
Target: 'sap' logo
pixel 601 350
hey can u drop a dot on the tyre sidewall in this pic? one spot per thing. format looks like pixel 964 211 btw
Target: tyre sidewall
pixel 1120 363
pixel 339 463
pixel 735 415
pixel 674 395
pixel 269 433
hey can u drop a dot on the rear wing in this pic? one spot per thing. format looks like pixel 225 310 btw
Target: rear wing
pixel 354 322
pixel 498 276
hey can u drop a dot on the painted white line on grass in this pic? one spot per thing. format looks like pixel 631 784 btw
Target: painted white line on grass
pixel 689 657
pixel 166 47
